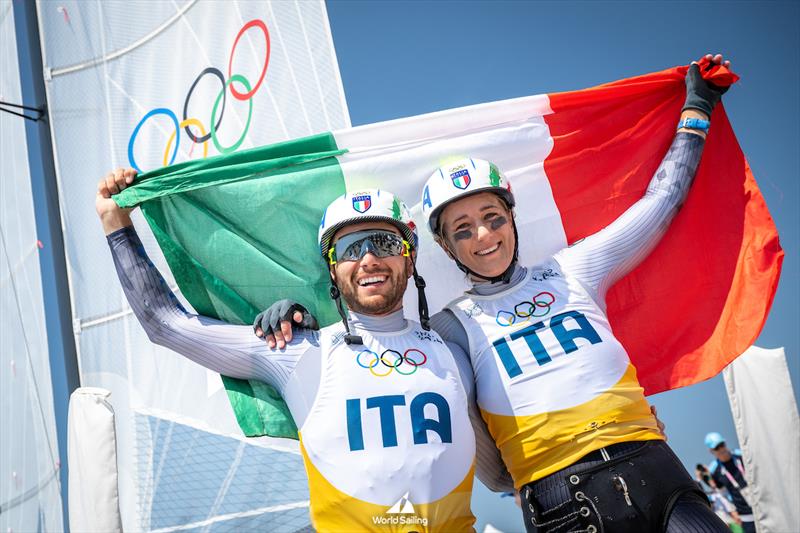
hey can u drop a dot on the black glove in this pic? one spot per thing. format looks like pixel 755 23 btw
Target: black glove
pixel 701 94
pixel 269 320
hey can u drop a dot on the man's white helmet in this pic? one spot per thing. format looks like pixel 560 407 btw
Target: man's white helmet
pixel 371 205
pixel 457 180
pixel 366 206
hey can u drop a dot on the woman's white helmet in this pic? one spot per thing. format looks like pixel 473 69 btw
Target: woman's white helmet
pixel 457 180
pixel 371 205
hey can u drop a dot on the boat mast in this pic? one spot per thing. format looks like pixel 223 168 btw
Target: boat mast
pixel 55 289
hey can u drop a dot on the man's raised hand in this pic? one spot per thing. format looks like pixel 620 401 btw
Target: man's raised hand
pixel 111 215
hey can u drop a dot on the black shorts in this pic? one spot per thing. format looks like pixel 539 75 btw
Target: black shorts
pixel 625 487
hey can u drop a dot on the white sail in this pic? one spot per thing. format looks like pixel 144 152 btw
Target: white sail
pixel 113 66
pixel 763 407
pixel 30 497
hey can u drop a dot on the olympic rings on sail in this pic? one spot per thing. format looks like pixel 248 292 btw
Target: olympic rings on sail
pixel 218 74
pixel 151 113
pixel 392 360
pixel 185 124
pixel 241 79
pixel 250 92
pixel 539 306
pixel 216 121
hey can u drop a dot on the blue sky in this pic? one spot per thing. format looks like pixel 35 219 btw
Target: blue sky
pixel 401 59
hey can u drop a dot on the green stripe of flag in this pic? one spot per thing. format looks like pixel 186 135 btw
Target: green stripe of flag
pixel 239 231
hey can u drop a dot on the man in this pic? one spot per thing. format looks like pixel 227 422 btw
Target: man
pixel 381 404
pixel 727 470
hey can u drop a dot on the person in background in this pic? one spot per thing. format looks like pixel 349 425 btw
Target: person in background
pixel 727 471
pixel 719 502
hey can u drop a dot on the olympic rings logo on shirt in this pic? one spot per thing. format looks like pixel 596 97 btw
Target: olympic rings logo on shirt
pixel 216 121
pixel 538 307
pixel 392 360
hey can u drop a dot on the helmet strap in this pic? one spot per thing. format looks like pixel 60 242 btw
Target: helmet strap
pixel 349 338
pixel 424 319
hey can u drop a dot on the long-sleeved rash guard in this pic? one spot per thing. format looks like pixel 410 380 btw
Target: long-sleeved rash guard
pixel 302 373
pixel 552 381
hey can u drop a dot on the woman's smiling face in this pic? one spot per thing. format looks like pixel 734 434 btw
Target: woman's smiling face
pixel 478 231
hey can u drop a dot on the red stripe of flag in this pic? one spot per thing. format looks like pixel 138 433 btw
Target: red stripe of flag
pixel 701 297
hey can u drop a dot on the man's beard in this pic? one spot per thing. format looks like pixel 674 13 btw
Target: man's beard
pixel 380 305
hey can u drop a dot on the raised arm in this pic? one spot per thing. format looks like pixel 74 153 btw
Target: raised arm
pixel 224 348
pixel 604 257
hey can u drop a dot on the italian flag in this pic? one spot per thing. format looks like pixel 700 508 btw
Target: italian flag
pixel 240 231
